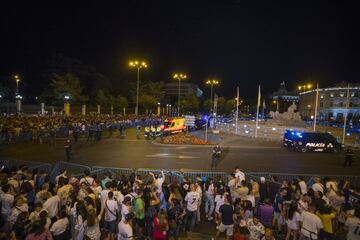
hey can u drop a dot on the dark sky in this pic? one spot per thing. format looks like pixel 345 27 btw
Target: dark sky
pixel 241 43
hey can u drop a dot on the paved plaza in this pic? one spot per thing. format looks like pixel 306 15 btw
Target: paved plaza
pixel 249 154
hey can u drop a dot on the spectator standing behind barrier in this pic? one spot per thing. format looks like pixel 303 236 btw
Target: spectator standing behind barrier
pixel 192 198
pixel 226 212
pixel 311 224
pixel 68 148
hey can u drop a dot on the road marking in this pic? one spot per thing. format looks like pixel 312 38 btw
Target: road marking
pixel 167 155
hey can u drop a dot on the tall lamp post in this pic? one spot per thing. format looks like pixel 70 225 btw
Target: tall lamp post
pixel 17 79
pixel 179 77
pixel 212 83
pixel 138 65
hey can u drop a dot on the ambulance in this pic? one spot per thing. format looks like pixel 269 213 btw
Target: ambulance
pixel 174 125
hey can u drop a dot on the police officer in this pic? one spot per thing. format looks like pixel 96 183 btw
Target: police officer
pixel 215 156
pixel 138 131
pixel 349 154
pixel 68 149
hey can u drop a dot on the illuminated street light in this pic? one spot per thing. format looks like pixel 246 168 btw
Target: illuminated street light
pixel 179 76
pixel 17 79
pixel 138 65
pixel 211 82
pixel 305 87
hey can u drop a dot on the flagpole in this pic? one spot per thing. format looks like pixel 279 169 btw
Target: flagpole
pixel 237 111
pixel 263 110
pixel 257 113
pixel 346 113
pixel 316 105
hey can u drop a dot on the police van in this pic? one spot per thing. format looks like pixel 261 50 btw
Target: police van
pixel 311 141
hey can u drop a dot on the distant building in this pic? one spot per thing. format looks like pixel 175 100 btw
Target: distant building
pixel 282 99
pixel 332 102
pixel 172 89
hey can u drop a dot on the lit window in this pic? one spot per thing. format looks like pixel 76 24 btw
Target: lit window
pixel 341 94
pixel 331 94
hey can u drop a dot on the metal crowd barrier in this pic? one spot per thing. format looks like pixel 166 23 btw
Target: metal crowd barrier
pixel 192 175
pixel 76 170
pixel 115 172
pixel 169 174
pixel 10 163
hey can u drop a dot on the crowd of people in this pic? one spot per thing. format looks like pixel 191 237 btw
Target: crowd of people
pixel 38 128
pixel 35 207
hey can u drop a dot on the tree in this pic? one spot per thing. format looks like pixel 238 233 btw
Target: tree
pixel 120 103
pixel 206 105
pixel 101 98
pixel 221 105
pixel 229 106
pixel 189 104
pixel 147 101
pixel 64 85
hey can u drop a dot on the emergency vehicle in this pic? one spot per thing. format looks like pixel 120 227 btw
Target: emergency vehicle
pixel 176 125
pixel 311 141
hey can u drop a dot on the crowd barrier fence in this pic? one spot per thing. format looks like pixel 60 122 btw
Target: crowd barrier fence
pixel 77 170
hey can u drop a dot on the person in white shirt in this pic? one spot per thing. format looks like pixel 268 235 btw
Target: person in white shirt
pixel 158 181
pixel 302 185
pixel 63 174
pixel 209 199
pixel 7 201
pixel 352 226
pixel 317 186
pixel 87 179
pixel 61 226
pixel 51 205
pixel 192 198
pixel 111 213
pixel 105 191
pixel 310 224
pixel 232 185
pixel 239 174
pixel 125 231
pixel 125 207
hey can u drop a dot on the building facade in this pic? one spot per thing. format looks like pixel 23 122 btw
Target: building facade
pixel 332 103
pixel 282 99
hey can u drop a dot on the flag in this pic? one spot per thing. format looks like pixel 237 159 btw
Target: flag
pixel 264 106
pixel 259 97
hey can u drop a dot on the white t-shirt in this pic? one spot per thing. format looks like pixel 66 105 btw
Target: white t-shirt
pixel 240 175
pixel 353 225
pixel 192 199
pixel 219 200
pixel 59 226
pixel 125 231
pixel 311 225
pixel 88 180
pixel 7 201
pixel 51 205
pixel 111 207
pixel 293 224
pixel 124 211
pixel 318 187
pixel 303 187
pixel 104 195
pixel 211 190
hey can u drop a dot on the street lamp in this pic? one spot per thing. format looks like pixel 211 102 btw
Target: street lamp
pixel 305 87
pixel 138 65
pixel 17 79
pixel 212 82
pixel 179 76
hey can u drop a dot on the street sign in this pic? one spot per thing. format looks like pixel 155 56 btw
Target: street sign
pixel 190 120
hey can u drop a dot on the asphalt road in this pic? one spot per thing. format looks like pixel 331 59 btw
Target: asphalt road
pixel 248 154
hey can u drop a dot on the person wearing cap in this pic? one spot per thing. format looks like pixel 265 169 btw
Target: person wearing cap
pixel 125 231
pixel 255 227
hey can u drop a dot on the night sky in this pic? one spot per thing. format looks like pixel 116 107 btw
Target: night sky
pixel 243 43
